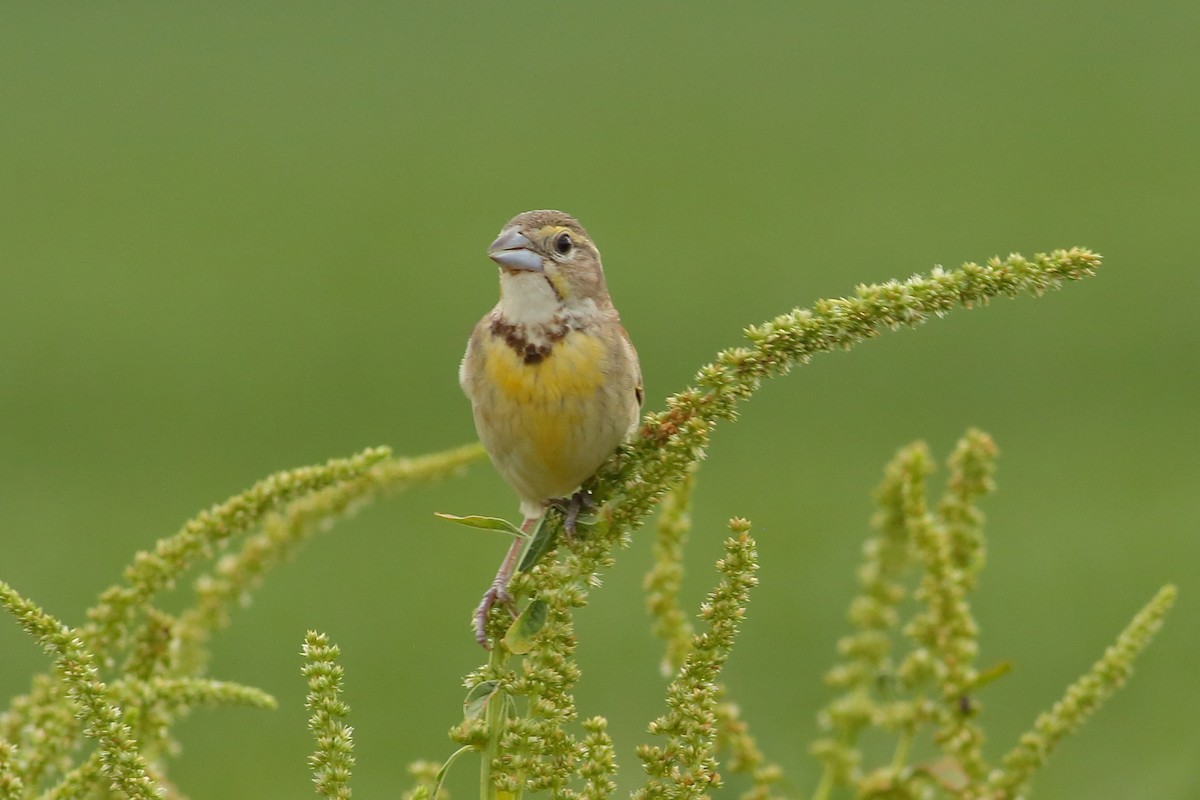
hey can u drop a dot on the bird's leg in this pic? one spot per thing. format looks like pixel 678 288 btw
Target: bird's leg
pixel 497 593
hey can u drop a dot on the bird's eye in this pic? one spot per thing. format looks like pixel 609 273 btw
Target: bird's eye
pixel 563 243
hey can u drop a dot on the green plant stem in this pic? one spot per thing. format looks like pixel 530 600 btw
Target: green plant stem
pixel 903 745
pixel 494 717
pixel 826 784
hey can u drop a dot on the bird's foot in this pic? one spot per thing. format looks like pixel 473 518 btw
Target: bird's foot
pixel 572 507
pixel 496 595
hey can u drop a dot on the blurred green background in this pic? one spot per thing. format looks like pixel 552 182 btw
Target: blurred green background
pixel 236 238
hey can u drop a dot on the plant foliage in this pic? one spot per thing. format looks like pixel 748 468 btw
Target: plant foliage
pixel 99 721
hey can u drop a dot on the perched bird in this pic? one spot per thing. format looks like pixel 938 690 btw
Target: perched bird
pixel 552 376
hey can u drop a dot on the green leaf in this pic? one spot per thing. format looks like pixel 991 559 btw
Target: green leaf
pixel 521 634
pixel 486 523
pixel 478 697
pixel 998 670
pixel 543 540
pixel 441 776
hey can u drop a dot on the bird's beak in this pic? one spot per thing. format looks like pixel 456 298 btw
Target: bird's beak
pixel 512 250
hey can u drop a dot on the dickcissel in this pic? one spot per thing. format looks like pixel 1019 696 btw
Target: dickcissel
pixel 552 376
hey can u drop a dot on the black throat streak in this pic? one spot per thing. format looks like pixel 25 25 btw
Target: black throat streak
pixel 517 337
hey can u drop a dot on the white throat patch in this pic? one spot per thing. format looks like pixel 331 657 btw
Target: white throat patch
pixel 526 298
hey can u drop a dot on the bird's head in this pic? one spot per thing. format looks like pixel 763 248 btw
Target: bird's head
pixel 548 254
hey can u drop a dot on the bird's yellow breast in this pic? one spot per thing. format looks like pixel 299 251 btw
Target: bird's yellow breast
pixel 544 416
pixel 573 368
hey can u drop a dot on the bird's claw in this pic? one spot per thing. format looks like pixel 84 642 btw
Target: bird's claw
pixel 496 595
pixel 572 507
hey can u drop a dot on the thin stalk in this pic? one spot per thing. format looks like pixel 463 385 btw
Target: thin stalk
pixel 826 784
pixel 494 717
pixel 903 745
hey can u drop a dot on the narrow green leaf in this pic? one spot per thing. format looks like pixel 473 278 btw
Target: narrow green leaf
pixel 441 776
pixel 477 699
pixel 998 670
pixel 526 627
pixel 486 523
pixel 543 540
